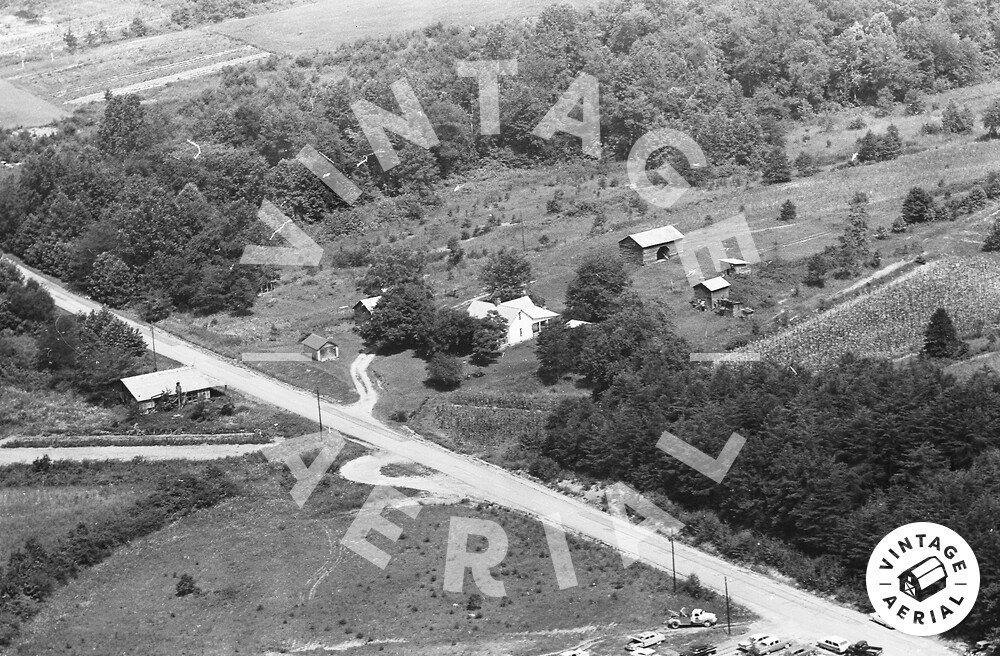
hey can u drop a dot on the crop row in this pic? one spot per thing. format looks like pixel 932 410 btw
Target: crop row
pixel 889 321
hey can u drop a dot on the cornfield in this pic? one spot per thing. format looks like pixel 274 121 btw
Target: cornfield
pixel 889 322
pixel 494 419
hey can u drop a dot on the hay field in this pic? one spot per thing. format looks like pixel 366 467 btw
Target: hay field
pixel 328 24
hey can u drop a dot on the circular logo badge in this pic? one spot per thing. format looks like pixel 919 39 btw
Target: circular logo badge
pixel 923 579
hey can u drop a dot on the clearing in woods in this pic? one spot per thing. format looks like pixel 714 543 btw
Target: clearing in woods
pixel 328 24
pixel 18 108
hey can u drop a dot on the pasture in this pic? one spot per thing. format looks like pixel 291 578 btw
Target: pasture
pixel 46 513
pixel 293 587
pixel 18 108
pixel 328 24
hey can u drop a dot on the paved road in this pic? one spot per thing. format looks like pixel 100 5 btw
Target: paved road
pixel 791 612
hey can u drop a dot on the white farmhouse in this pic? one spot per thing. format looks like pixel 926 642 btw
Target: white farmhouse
pixel 524 318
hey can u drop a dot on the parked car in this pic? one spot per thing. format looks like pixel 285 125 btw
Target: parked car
pixel 575 652
pixel 751 640
pixel 769 645
pixel 799 649
pixel 699 650
pixel 836 644
pixel 644 651
pixel 875 617
pixel 645 639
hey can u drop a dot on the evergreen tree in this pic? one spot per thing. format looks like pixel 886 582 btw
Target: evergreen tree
pixel 816 268
pixel 958 120
pixel 868 147
pixel 777 168
pixel 890 144
pixel 123 128
pixel 805 164
pixel 854 243
pixel 788 212
pixel 918 206
pixel 940 338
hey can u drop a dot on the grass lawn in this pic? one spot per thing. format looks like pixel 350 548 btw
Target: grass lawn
pixel 292 587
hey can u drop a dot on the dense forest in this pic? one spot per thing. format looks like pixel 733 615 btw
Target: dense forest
pixel 121 208
pixel 832 462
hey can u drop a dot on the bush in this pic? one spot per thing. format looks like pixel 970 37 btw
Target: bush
pixel 857 123
pixel 914 102
pixel 186 586
pixel 444 371
pixel 544 468
pixel 931 128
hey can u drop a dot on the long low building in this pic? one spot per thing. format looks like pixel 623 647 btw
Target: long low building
pixel 179 385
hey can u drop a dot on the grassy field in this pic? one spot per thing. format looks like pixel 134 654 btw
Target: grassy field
pixel 19 108
pixel 49 512
pixel 328 24
pixel 293 587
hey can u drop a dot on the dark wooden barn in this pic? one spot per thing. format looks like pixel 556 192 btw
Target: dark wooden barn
pixel 651 246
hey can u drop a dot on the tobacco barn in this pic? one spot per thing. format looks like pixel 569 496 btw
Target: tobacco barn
pixel 656 245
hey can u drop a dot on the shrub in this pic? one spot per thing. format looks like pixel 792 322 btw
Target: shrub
pixel 914 102
pixel 931 128
pixel 186 586
pixel 857 123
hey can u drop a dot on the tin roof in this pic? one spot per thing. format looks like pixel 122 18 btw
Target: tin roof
pixel 160 383
pixel 316 342
pixel 369 303
pixel 663 235
pixel 714 284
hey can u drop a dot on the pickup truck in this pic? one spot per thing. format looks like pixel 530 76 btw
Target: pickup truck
pixel 862 648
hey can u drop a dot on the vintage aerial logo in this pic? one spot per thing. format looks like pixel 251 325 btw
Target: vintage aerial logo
pixel 923 578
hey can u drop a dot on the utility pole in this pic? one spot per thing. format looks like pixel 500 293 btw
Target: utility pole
pixel 729 626
pixel 524 248
pixel 152 334
pixel 319 410
pixel 673 561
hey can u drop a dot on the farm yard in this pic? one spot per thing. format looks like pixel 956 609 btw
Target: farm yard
pixel 889 321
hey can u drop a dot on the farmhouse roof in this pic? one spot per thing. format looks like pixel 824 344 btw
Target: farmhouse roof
pixel 733 260
pixel 526 305
pixel 714 284
pixel 510 310
pixel 663 235
pixel 369 303
pixel 316 342
pixel 479 309
pixel 159 383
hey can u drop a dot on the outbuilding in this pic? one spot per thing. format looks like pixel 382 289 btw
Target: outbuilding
pixel 732 266
pixel 656 245
pixel 364 308
pixel 320 348
pixel 710 292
